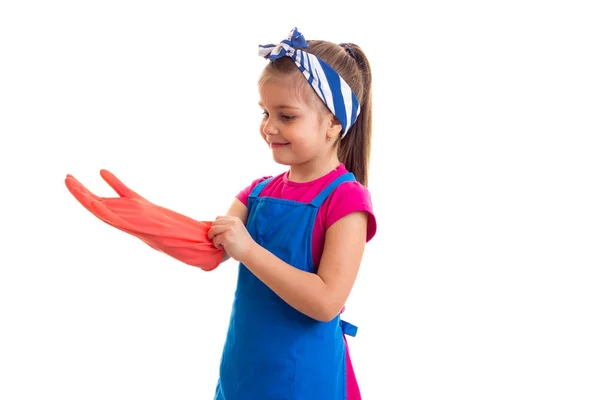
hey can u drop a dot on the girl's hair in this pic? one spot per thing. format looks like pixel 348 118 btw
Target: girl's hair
pixel 350 62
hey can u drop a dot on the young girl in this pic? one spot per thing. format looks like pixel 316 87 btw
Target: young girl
pixel 299 237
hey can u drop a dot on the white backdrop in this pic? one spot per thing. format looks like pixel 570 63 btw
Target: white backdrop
pixel 482 281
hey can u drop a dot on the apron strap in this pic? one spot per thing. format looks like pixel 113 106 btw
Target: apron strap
pixel 348 328
pixel 259 187
pixel 320 198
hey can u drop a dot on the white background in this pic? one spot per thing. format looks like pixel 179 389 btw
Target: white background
pixel 482 281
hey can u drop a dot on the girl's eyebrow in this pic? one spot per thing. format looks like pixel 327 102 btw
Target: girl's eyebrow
pixel 281 106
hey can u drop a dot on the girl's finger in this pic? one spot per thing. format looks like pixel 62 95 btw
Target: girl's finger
pixel 218 242
pixel 216 230
pixel 221 220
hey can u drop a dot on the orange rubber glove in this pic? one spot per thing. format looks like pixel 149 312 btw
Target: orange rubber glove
pixel 181 237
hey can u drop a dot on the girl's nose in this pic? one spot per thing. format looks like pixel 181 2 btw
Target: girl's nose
pixel 269 127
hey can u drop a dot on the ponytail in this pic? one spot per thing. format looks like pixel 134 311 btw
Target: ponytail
pixel 355 149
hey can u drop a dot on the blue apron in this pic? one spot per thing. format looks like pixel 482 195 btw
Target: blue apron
pixel 272 351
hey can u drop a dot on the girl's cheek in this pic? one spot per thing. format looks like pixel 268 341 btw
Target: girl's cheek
pixel 261 130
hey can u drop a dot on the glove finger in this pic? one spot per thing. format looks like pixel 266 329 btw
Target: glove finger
pixel 118 186
pixel 82 197
pixel 71 183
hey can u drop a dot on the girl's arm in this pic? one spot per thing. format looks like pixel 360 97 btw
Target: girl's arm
pixel 320 296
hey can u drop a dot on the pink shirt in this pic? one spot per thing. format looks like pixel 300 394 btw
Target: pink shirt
pixel 349 197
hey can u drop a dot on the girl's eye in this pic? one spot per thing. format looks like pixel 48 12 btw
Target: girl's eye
pixel 282 116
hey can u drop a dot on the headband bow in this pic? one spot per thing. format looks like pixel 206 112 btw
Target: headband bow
pixel 326 82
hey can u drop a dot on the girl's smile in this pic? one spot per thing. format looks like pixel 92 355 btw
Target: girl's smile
pixel 276 145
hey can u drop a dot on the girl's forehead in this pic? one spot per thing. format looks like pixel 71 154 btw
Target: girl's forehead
pixel 284 89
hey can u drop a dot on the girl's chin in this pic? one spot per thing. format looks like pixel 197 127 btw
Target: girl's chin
pixel 282 160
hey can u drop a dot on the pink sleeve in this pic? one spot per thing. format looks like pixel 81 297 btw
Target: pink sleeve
pixel 348 198
pixel 245 193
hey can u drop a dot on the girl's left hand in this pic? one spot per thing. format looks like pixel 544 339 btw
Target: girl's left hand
pixel 230 234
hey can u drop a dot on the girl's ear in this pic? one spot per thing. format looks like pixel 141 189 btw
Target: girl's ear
pixel 335 127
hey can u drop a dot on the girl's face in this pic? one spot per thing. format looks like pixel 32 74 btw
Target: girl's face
pixel 296 123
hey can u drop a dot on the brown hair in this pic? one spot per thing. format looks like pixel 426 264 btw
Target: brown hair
pixel 350 62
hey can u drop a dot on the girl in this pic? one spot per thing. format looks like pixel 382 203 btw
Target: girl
pixel 300 236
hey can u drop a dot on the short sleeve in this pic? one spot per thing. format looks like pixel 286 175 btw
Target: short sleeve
pixel 245 193
pixel 348 198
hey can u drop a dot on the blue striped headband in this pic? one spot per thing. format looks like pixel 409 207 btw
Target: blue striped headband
pixel 328 84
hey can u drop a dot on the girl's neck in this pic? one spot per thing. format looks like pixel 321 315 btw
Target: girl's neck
pixel 311 170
